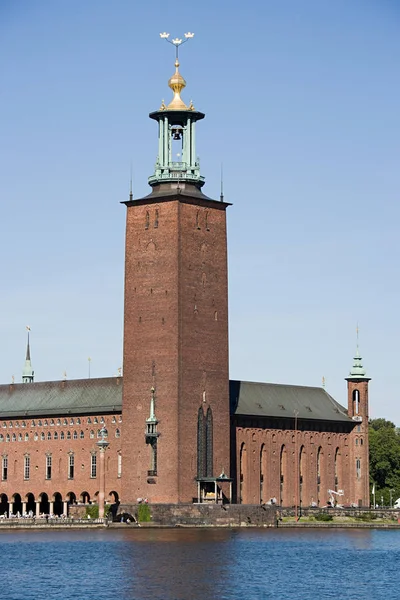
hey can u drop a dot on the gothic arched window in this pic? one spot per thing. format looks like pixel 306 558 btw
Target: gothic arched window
pixel 200 444
pixel 209 443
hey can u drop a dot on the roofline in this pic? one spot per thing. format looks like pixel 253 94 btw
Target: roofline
pixel 291 385
pixel 59 381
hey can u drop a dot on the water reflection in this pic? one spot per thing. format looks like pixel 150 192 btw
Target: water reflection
pixel 184 563
pixel 200 564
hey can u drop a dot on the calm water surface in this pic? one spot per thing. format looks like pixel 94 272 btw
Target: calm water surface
pixel 200 564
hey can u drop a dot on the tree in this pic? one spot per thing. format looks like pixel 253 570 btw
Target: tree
pixel 384 458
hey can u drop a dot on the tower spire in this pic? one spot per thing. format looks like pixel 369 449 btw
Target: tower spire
pixel 221 197
pixel 27 372
pixel 357 371
pixel 130 187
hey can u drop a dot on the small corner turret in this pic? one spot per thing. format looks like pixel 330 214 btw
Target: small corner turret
pixel 27 372
pixel 358 411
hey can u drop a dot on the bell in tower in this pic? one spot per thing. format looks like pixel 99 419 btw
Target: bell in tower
pixel 177 128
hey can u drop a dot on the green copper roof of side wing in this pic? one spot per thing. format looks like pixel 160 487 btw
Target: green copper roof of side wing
pixel 283 401
pixel 78 396
pixel 96 396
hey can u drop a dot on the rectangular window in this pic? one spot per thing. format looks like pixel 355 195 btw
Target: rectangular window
pixel 93 466
pixel 27 467
pixel 4 471
pixel 71 464
pixel 48 467
pixel 119 472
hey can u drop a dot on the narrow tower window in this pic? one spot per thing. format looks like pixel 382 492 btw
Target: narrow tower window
pixel 200 444
pixel 209 443
pixel 147 219
pixel 356 402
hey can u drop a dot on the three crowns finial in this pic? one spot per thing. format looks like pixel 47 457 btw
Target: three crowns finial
pixel 177 41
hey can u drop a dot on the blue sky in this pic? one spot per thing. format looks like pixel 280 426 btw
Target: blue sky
pixel 301 103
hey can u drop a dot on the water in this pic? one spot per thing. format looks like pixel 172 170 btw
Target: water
pixel 183 564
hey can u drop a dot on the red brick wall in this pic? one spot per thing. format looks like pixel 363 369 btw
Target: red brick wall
pixel 307 442
pixel 37 449
pixel 175 339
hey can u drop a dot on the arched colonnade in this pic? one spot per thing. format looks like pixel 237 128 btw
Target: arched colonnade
pixel 43 504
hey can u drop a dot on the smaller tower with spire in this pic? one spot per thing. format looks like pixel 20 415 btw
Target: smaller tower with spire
pixel 28 373
pixel 358 410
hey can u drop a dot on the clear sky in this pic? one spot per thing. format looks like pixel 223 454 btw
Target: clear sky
pixel 302 106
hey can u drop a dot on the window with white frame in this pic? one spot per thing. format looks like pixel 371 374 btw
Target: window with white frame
pixel 48 466
pixel 71 465
pixel 93 466
pixel 27 466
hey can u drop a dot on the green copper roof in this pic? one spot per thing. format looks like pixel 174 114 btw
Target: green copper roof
pixel 78 396
pixel 97 396
pixel 357 370
pixel 283 401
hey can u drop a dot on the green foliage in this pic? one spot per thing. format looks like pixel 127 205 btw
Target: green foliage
pixel 92 511
pixel 384 463
pixel 144 514
pixel 377 424
pixel 323 517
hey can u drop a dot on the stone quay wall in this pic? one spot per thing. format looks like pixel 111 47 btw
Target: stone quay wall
pixel 380 513
pixel 207 515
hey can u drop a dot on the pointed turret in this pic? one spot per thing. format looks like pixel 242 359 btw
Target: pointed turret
pixel 27 373
pixel 357 371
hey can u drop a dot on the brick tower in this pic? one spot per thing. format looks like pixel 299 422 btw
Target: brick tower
pixel 176 381
pixel 357 398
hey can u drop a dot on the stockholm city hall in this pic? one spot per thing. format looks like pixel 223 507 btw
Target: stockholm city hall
pixel 174 429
